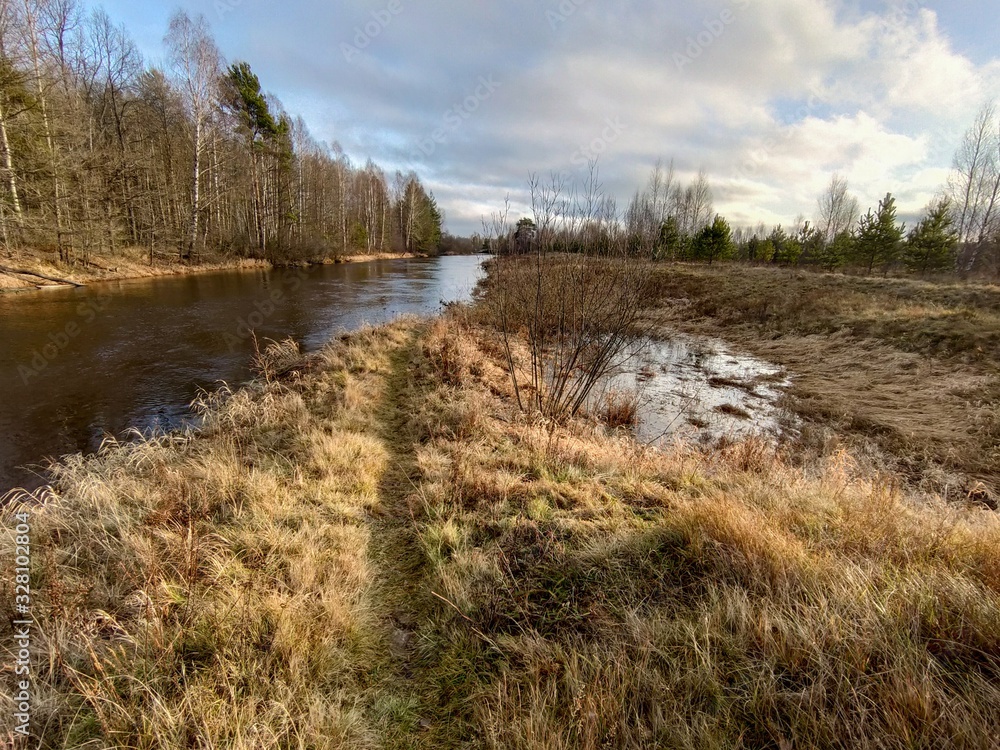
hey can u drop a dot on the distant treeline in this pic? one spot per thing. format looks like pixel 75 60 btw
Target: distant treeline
pixel 667 220
pixel 99 151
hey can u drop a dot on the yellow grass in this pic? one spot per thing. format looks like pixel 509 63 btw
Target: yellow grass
pixel 904 370
pixel 378 550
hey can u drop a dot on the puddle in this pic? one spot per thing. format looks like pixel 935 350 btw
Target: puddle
pixel 697 389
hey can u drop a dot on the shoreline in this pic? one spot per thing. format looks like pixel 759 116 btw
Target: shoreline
pixel 131 268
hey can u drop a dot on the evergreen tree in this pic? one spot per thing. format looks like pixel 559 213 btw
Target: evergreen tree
pixel 836 253
pixel 879 239
pixel 714 242
pixel 784 249
pixel 812 243
pixel 933 244
pixel 245 98
pixel 669 244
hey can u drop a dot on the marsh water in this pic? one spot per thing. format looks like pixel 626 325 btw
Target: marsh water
pixel 77 365
pixel 697 389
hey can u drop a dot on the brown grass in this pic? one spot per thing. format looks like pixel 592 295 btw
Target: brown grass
pixel 596 594
pixel 620 408
pixel 950 320
pixel 906 372
pixel 379 549
pixel 129 263
pixel 133 263
pixel 214 590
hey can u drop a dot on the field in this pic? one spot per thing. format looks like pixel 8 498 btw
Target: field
pixel 904 372
pixel 371 547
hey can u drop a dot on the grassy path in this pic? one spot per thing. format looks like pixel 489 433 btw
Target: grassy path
pixel 398 561
pixel 406 701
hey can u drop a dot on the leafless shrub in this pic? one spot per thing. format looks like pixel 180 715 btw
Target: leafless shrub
pixel 564 285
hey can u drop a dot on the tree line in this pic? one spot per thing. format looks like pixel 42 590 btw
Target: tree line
pixel 958 232
pixel 100 152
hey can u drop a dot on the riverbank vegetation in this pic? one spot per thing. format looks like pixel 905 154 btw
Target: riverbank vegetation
pixel 108 161
pixel 904 368
pixel 372 546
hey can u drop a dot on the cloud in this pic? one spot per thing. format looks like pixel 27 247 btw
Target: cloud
pixel 802 88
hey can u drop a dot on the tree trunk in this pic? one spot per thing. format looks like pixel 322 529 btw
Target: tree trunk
pixel 195 192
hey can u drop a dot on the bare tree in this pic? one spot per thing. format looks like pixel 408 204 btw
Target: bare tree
pixel 565 319
pixel 838 209
pixel 13 102
pixel 196 63
pixel 650 208
pixel 974 187
pixel 693 206
pixel 33 26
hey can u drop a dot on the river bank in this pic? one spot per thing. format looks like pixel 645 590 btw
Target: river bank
pixel 372 547
pixel 78 365
pixel 132 263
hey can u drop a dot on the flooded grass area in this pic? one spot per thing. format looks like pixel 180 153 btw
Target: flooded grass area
pixel 696 388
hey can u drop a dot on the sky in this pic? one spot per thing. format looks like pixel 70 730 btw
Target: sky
pixel 769 97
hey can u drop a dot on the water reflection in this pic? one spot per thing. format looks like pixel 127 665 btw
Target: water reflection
pixel 697 389
pixel 79 364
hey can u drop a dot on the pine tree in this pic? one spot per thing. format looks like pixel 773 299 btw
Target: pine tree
pixel 784 249
pixel 836 253
pixel 669 244
pixel 933 243
pixel 879 238
pixel 714 242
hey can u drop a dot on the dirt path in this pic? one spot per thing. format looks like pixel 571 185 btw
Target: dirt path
pixel 405 707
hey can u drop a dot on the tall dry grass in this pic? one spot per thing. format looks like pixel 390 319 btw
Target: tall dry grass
pixel 593 593
pixel 909 367
pixel 377 548
pixel 214 590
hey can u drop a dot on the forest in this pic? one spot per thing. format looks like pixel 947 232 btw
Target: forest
pixel 100 151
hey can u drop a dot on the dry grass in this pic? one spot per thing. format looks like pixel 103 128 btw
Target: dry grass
pixel 128 263
pixel 381 550
pixel 906 371
pixel 133 263
pixel 620 408
pixel 596 594
pixel 951 320
pixel 214 591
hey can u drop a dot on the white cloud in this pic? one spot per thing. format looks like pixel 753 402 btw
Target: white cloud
pixel 810 86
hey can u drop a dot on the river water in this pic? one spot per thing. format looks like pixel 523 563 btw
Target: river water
pixel 77 365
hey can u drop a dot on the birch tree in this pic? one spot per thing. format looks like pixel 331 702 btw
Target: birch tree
pixel 196 64
pixel 838 209
pixel 974 188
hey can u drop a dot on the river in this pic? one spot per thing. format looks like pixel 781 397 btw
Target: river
pixel 77 365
